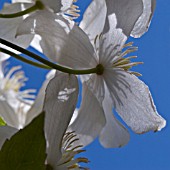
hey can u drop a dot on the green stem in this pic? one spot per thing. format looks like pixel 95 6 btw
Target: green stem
pixel 48 63
pixel 24 59
pixel 38 6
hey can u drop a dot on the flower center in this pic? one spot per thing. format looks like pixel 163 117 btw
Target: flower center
pixel 69 151
pixel 100 69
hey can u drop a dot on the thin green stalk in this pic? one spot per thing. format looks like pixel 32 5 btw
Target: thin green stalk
pixel 24 59
pixel 48 63
pixel 38 6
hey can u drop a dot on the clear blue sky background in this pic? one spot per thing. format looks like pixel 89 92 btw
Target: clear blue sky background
pixel 149 151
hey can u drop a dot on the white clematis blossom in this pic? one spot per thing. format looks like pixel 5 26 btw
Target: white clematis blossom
pixel 114 86
pixel 14 103
pixel 18 108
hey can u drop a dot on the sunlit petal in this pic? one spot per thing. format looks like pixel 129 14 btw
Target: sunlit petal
pixel 8 27
pixel 127 13
pixel 60 102
pixel 133 101
pixel 90 119
pixel 94 18
pixel 114 134
pixel 144 20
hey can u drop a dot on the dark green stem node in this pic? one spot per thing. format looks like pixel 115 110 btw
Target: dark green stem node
pixel 100 69
pixel 39 5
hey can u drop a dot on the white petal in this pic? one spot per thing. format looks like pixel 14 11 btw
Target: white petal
pixel 144 20
pixel 53 4
pixel 6 132
pixel 133 101
pixel 127 13
pixel 77 52
pixel 8 27
pixel 37 107
pixel 111 42
pixel 94 18
pixel 60 102
pixel 8 114
pixel 96 85
pixel 60 40
pixel 114 134
pixel 90 119
pixel 38 23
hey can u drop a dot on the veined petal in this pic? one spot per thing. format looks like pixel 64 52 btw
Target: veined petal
pixel 77 52
pixel 60 102
pixel 38 23
pixel 6 132
pixel 133 101
pixel 144 20
pixel 90 119
pixel 114 134
pixel 61 42
pixel 94 19
pixel 8 27
pixel 111 42
pixel 127 13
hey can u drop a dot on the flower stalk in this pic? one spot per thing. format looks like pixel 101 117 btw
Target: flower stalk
pixel 3 50
pixel 38 6
pixel 44 61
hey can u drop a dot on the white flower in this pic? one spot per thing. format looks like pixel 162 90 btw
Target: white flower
pixel 113 86
pixel 18 108
pixel 14 103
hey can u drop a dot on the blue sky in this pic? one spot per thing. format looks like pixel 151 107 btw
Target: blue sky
pixel 149 151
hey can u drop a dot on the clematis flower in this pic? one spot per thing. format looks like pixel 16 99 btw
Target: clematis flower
pixel 14 103
pixel 62 10
pixel 133 16
pixel 19 107
pixel 60 102
pixel 113 86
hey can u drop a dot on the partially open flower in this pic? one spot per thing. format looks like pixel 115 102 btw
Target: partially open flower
pixel 113 86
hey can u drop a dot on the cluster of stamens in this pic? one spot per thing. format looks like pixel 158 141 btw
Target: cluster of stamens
pixel 69 151
pixel 73 11
pixel 125 63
